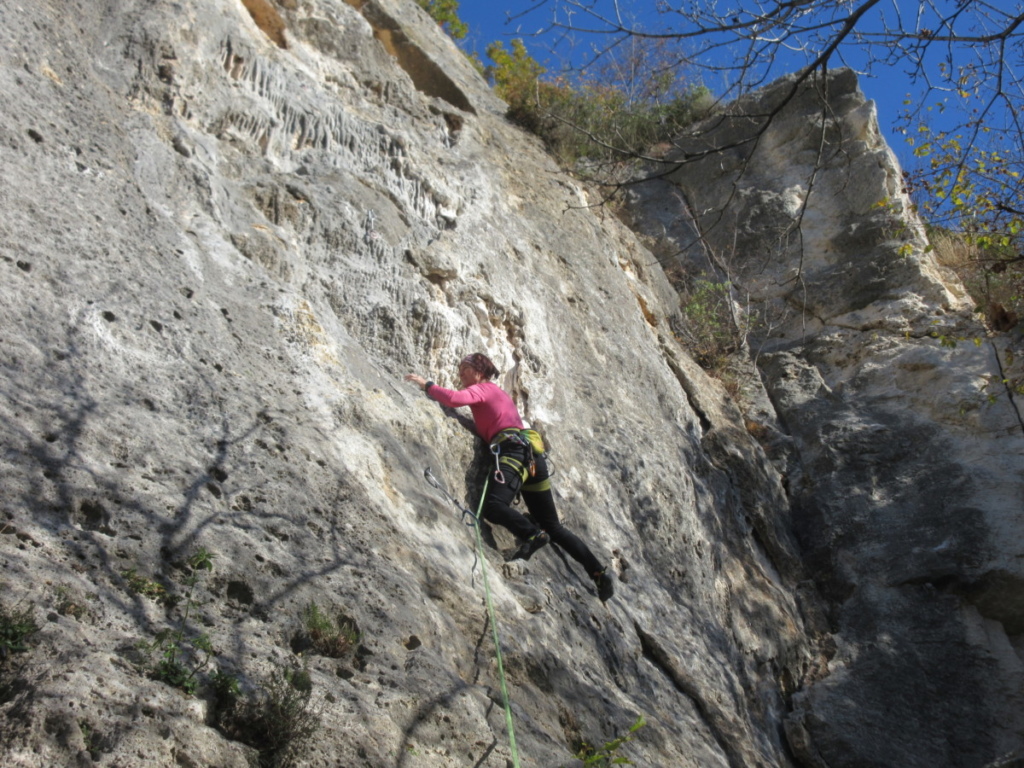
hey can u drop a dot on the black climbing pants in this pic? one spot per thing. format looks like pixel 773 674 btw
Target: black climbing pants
pixel 540 503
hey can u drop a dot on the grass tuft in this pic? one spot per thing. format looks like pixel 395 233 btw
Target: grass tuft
pixel 332 638
pixel 277 721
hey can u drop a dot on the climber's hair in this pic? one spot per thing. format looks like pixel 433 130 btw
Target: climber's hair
pixel 479 362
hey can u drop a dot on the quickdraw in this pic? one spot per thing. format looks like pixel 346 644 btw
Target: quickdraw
pixel 499 476
pixel 430 478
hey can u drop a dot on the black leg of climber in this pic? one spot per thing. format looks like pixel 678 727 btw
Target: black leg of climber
pixel 498 509
pixel 518 466
pixel 541 503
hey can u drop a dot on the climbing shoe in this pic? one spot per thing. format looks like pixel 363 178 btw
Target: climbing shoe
pixel 531 545
pixel 605 588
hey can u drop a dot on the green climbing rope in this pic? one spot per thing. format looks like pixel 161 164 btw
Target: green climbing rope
pixel 494 629
pixel 490 604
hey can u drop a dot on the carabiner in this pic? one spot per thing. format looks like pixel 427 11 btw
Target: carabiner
pixel 499 477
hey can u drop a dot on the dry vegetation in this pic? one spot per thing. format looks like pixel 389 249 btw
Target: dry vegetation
pixel 992 278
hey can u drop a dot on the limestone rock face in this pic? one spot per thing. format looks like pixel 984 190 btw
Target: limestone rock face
pixel 230 228
pixel 904 447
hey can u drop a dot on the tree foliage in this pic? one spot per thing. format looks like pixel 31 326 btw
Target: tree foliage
pixel 446 14
pixel 617 109
pixel 971 185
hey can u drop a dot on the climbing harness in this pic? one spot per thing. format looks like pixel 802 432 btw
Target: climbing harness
pixel 527 438
pixel 487 593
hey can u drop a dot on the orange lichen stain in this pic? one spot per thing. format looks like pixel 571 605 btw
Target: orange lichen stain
pixel 268 19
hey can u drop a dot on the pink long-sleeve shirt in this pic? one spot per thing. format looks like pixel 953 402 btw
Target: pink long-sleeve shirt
pixel 493 410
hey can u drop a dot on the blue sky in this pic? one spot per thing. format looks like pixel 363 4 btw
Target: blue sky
pixel 487 21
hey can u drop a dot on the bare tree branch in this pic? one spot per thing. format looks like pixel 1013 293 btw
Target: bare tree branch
pixel 966 58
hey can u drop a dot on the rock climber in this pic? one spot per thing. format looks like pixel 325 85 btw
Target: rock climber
pixel 520 467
